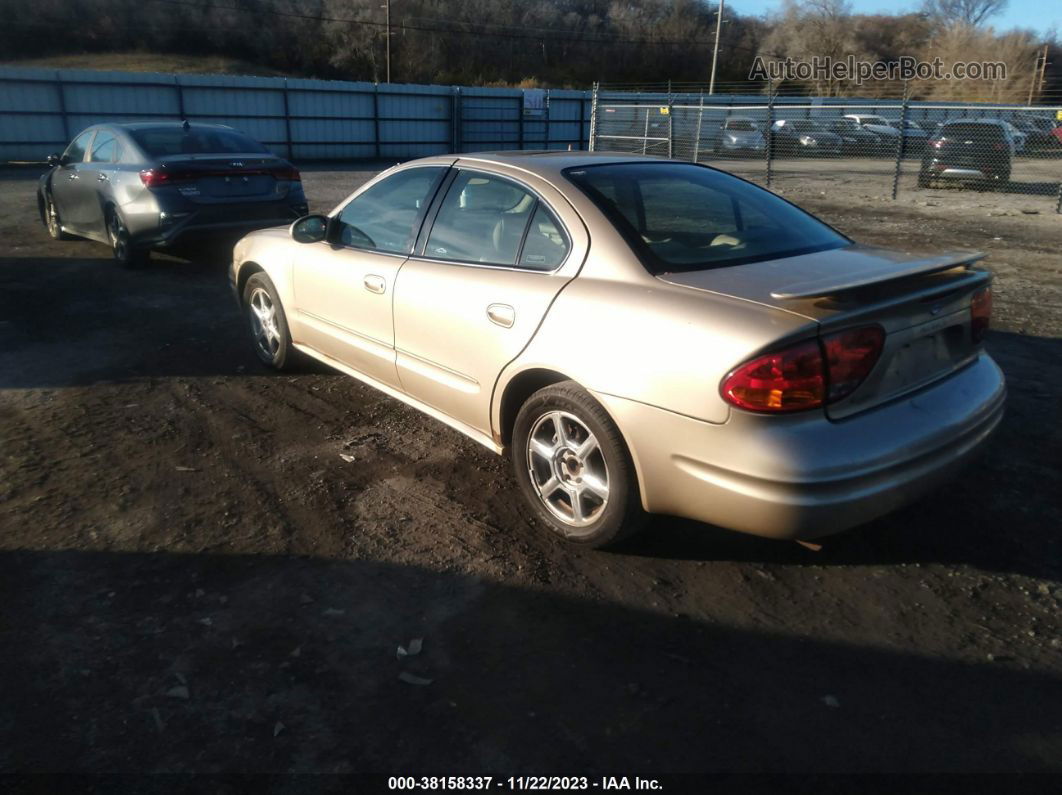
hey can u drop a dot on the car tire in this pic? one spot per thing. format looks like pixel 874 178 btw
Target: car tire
pixel 574 468
pixel 52 222
pixel 923 179
pixel 125 253
pixel 267 323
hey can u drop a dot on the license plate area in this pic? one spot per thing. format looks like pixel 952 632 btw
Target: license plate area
pixel 912 359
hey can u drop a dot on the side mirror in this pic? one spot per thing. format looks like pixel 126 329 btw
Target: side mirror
pixel 309 229
pixel 54 160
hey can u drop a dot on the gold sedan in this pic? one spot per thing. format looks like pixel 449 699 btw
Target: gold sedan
pixel 642 336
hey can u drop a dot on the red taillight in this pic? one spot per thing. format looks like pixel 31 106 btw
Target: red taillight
pixel 155 177
pixel 808 375
pixel 289 173
pixel 980 313
pixel 850 356
pixel 789 380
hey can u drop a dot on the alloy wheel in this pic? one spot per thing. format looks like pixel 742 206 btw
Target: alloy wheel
pixel 567 468
pixel 53 218
pixel 263 317
pixel 119 239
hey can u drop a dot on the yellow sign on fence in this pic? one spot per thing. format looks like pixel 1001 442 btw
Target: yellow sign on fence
pixel 665 110
pixel 1058 115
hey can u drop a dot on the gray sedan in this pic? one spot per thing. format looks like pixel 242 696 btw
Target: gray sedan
pixel 141 186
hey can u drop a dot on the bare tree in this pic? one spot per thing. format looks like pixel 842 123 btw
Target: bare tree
pixel 968 12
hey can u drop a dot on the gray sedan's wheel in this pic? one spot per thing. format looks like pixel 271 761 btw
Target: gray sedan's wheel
pixel 52 220
pixel 125 253
pixel 267 323
pixel 573 467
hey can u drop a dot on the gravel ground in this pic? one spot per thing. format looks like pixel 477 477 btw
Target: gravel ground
pixel 193 579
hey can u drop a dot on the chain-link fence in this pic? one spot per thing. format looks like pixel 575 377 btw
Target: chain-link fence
pixel 878 146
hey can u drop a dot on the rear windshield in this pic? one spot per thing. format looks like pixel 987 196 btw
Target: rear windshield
pixel 982 131
pixel 161 141
pixel 682 217
pixel 736 124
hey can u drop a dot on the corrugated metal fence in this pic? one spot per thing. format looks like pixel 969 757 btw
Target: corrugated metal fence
pixel 41 110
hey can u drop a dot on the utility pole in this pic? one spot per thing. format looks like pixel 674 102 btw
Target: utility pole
pixel 1043 72
pixel 387 6
pixel 1038 74
pixel 715 50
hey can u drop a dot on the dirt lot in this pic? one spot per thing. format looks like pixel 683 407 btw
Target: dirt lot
pixel 193 579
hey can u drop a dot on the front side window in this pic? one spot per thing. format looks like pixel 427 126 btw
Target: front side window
pixel 75 153
pixel 385 217
pixel 104 148
pixel 682 217
pixel 483 219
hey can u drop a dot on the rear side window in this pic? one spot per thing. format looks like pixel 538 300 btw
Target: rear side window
pixel 104 148
pixel 384 217
pixel 75 153
pixel 681 217
pixel 546 245
pixel 483 219
pixel 162 141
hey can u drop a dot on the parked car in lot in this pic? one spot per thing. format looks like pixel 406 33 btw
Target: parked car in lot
pixel 151 185
pixel 977 151
pixel 914 136
pixel 740 135
pixel 1018 138
pixel 879 125
pixel 855 139
pixel 1036 135
pixel 803 136
pixel 641 335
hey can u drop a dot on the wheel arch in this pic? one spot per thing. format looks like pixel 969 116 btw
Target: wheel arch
pixel 515 393
pixel 247 269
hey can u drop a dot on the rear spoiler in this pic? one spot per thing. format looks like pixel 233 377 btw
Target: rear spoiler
pixel 864 278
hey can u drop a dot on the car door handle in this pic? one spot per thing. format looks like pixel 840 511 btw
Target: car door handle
pixel 73 176
pixel 374 283
pixel 502 315
pixel 101 177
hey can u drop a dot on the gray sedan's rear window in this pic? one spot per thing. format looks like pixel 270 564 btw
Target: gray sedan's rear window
pixel 162 141
pixel 680 217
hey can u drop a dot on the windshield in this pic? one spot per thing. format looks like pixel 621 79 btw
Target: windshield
pixel 681 217
pixel 161 141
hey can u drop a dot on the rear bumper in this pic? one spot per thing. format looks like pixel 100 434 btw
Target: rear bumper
pixel 162 228
pixel 804 477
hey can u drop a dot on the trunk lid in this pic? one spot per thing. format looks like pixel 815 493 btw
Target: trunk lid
pixel 208 179
pixel 922 304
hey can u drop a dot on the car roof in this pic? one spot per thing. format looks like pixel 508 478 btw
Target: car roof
pixel 164 125
pixel 545 159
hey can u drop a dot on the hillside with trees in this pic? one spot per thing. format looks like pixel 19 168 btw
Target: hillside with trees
pixel 545 42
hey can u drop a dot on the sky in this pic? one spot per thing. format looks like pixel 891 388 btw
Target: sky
pixel 1040 15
